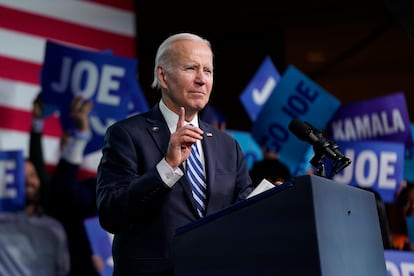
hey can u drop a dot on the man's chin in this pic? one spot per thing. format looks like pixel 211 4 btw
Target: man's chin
pixel 199 105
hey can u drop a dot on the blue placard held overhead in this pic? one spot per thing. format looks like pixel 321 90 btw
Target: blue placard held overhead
pixel 108 80
pixel 260 88
pixel 377 165
pixel 295 96
pixel 384 118
pixel 381 118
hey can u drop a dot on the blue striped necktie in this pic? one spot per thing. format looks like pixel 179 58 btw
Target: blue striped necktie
pixel 196 176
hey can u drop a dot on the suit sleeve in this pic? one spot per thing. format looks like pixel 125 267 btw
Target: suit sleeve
pixel 128 184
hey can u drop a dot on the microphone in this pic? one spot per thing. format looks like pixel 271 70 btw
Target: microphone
pixel 305 132
pixel 308 133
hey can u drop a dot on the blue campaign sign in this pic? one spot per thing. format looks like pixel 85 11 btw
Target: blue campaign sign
pixel 381 118
pixel 252 151
pixel 108 80
pixel 260 88
pixel 399 263
pixel 377 165
pixel 12 181
pixel 409 160
pixel 295 96
pixel 101 243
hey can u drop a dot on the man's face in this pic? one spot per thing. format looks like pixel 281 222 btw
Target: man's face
pixel 32 182
pixel 189 81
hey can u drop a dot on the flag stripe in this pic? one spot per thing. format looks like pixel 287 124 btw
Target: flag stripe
pixel 18 95
pixel 17 140
pixel 14 119
pixel 19 70
pixel 21 121
pixel 124 5
pixel 73 33
pixel 88 14
pixel 14 45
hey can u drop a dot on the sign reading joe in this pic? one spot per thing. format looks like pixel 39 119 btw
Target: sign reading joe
pixel 108 80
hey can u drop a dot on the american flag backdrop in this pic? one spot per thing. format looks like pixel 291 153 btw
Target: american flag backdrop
pixel 25 26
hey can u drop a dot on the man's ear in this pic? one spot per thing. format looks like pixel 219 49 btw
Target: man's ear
pixel 161 77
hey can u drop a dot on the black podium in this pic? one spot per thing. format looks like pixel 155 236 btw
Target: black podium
pixel 314 226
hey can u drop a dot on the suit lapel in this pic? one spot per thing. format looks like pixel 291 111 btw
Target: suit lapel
pixel 158 129
pixel 209 148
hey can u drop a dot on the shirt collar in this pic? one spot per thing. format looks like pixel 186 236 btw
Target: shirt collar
pixel 172 118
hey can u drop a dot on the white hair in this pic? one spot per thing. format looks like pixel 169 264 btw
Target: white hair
pixel 163 56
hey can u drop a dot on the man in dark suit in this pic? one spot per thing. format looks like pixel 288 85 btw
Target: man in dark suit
pixel 143 189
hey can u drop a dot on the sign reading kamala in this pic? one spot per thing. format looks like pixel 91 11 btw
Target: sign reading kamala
pixel 382 118
pixel 377 165
pixel 252 151
pixel 260 88
pixel 12 183
pixel 295 96
pixel 108 80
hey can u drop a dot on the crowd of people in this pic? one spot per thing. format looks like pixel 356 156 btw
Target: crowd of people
pixel 48 237
pixel 141 192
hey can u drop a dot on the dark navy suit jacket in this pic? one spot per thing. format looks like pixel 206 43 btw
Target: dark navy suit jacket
pixel 136 205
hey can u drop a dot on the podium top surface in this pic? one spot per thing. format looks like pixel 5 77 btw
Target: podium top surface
pixel 238 205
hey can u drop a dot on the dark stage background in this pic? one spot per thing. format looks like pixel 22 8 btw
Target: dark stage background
pixel 353 49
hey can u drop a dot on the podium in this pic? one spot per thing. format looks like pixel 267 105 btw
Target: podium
pixel 313 226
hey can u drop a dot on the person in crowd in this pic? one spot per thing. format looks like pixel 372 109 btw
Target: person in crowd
pixel 146 173
pixel 405 206
pixel 36 151
pixel 270 168
pixel 71 199
pixel 33 242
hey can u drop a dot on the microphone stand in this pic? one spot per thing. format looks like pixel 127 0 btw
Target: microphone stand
pixel 339 163
pixel 317 162
pixel 321 147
